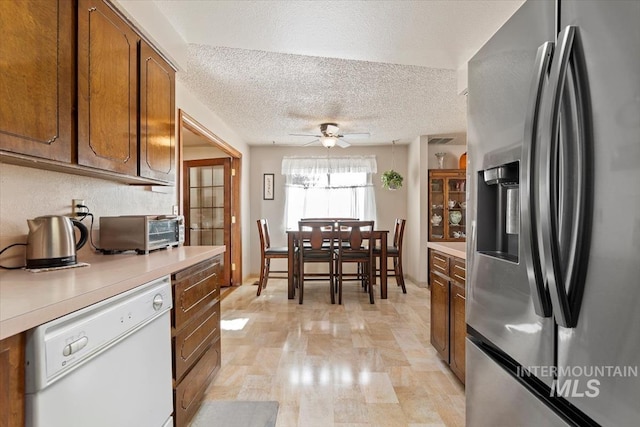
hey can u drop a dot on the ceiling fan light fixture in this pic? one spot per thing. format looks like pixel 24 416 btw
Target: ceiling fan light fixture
pixel 328 141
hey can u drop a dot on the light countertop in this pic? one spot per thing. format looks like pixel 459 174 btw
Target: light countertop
pixel 30 299
pixel 458 249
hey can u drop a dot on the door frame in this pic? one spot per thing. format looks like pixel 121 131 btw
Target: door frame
pixel 185 121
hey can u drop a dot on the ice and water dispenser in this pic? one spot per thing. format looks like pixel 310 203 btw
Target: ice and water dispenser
pixel 498 211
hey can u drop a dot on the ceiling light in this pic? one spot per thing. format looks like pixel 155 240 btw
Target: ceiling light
pixel 328 141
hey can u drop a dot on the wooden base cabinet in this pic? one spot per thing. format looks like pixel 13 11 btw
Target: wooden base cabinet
pixel 196 335
pixel 12 381
pixel 448 321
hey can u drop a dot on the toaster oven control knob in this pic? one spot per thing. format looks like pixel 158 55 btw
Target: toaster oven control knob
pixel 75 346
pixel 157 302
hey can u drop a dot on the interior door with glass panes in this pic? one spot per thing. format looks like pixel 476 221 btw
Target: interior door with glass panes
pixel 207 204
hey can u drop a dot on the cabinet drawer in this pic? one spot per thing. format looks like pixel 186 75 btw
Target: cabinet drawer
pixel 439 263
pixel 192 340
pixel 193 290
pixel 189 392
pixel 458 271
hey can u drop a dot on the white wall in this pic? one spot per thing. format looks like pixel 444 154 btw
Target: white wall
pixel 26 193
pixel 415 254
pixel 421 158
pixel 451 158
pixel 268 159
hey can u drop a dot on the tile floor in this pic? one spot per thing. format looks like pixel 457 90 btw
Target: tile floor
pixel 329 365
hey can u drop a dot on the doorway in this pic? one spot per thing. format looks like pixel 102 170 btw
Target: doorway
pixel 210 170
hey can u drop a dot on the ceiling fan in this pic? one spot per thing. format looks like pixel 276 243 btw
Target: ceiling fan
pixel 330 136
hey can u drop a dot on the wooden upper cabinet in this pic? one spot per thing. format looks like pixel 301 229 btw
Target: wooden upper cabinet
pixel 37 78
pixel 107 89
pixel 157 116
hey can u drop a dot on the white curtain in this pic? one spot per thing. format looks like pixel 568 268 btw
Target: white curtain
pixel 320 187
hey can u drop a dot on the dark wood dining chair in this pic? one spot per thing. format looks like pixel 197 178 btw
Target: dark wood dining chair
pixel 394 251
pixel 355 245
pixel 315 245
pixel 267 253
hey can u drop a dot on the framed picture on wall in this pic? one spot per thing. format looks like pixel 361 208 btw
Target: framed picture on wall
pixel 267 186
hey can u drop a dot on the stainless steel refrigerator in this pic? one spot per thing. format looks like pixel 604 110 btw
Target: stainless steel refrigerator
pixel 553 298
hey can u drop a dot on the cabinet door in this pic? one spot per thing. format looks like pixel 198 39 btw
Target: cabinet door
pixel 157 116
pixel 107 89
pixel 12 381
pixel 447 206
pixel 37 80
pixel 189 393
pixel 455 207
pixel 437 202
pixel 458 330
pixel 440 315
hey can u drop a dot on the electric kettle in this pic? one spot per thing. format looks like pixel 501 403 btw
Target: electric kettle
pixel 52 242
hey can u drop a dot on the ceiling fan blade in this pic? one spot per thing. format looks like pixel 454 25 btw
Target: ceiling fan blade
pixel 305 134
pixel 342 143
pixel 361 135
pixel 309 143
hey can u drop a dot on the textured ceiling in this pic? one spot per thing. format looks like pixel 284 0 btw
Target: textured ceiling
pixel 271 68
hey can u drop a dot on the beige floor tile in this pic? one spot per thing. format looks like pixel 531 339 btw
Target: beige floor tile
pixel 354 364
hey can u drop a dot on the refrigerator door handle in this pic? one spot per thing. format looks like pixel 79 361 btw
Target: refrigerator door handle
pixel 566 204
pixel 528 210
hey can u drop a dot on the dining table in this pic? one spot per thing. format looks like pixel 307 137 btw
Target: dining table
pixel 294 236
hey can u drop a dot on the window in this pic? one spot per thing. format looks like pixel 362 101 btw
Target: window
pixel 326 187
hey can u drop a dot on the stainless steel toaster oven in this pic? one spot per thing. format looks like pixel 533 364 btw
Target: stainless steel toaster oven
pixel 142 233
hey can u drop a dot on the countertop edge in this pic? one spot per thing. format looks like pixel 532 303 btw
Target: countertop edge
pixel 141 270
pixel 450 248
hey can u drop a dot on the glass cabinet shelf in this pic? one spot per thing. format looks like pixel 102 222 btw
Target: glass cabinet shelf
pixel 447 205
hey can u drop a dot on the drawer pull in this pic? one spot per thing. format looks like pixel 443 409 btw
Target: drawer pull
pixel 459 277
pixel 439 267
pixel 460 296
pixel 439 259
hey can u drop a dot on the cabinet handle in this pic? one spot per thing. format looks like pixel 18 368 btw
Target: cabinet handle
pixel 459 277
pixel 439 259
pixel 460 296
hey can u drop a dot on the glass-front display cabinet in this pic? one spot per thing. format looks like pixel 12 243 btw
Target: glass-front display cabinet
pixel 447 205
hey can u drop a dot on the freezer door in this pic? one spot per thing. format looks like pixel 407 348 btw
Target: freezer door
pixel 495 398
pixel 499 299
pixel 604 345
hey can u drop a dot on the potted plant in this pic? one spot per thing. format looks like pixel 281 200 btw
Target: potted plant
pixel 391 180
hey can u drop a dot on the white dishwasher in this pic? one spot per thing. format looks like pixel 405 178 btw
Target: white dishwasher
pixel 108 364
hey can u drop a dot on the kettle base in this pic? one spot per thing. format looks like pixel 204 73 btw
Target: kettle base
pixel 51 262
